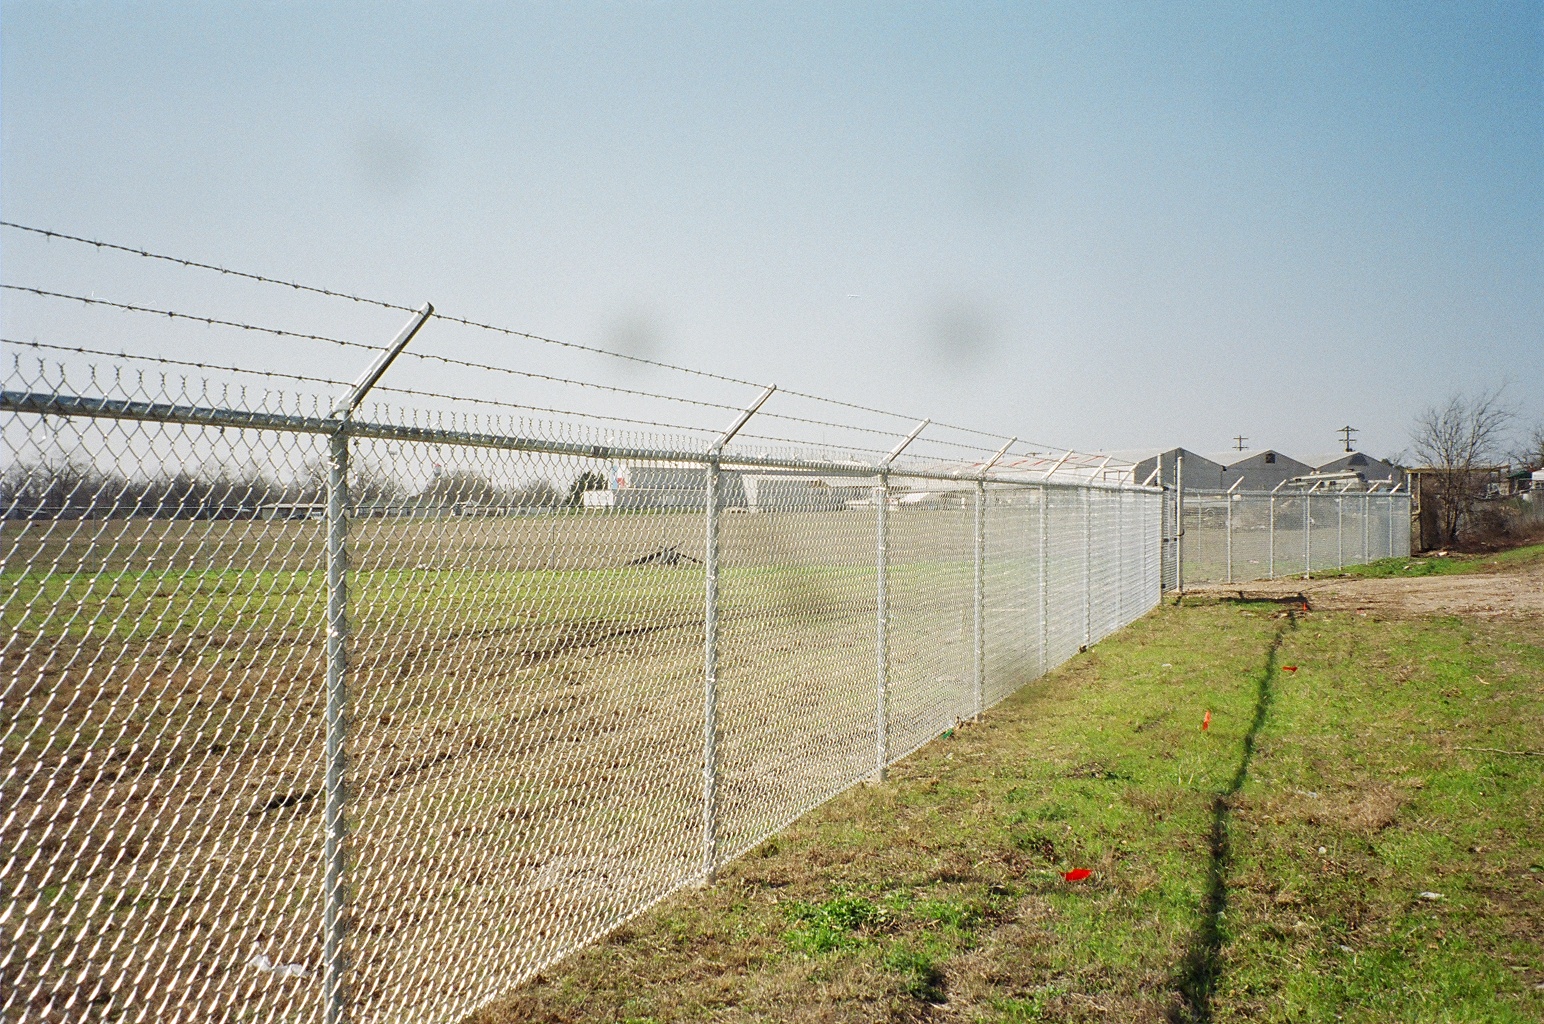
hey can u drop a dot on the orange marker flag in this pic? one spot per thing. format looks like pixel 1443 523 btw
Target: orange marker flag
pixel 1077 874
pixel 1289 668
pixel 1206 721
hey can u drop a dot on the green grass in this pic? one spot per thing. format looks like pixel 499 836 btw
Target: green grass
pixel 1446 565
pixel 156 604
pixel 1270 867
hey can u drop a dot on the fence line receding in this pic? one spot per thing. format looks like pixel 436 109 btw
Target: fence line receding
pixel 319 708
pixel 1235 537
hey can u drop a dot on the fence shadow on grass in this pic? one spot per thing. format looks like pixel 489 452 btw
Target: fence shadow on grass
pixel 1199 971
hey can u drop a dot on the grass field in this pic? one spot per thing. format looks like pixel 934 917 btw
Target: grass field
pixel 1448 565
pixel 1355 837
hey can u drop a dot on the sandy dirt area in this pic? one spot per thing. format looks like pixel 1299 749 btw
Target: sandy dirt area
pixel 1481 594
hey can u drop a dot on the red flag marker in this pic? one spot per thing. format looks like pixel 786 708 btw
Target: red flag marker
pixel 1289 668
pixel 1206 721
pixel 1077 874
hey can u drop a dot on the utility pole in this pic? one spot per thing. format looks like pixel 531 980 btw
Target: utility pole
pixel 1238 443
pixel 1346 433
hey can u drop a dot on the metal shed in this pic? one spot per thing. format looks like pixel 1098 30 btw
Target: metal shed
pixel 1262 470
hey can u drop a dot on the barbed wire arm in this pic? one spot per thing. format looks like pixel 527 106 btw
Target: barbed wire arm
pixel 895 452
pixel 995 459
pixel 345 406
pixel 750 410
pixel 1052 471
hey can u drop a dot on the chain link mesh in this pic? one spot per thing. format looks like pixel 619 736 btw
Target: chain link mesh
pixel 533 752
pixel 1234 538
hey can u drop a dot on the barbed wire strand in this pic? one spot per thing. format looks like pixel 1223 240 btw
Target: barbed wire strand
pixel 194 317
pixel 147 254
pixel 434 357
pixel 507 331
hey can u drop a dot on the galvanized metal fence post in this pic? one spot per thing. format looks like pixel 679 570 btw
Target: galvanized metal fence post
pixel 1307 535
pixel 1340 528
pixel 1088 552
pixel 1270 570
pixel 334 783
pixel 1120 554
pixel 1163 527
pixel 710 679
pixel 882 594
pixel 713 502
pixel 980 637
pixel 1179 522
pixel 980 587
pixel 1147 534
pixel 1366 511
pixel 1391 524
pixel 334 822
pixel 882 625
pixel 1045 625
pixel 1229 499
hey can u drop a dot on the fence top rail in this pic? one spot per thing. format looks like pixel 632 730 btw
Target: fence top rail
pixel 44 403
pixel 1295 492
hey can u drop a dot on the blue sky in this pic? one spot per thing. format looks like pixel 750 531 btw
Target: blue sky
pixel 1104 226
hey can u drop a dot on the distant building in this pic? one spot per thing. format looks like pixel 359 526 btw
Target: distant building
pixel 663 486
pixel 1263 470
pixel 1201 473
pixel 683 487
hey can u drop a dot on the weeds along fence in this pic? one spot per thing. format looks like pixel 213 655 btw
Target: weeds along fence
pixel 319 709
pixel 1242 536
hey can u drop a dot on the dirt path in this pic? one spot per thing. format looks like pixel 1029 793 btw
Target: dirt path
pixel 1517 592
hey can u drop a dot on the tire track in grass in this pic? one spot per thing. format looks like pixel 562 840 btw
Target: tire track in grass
pixel 1200 969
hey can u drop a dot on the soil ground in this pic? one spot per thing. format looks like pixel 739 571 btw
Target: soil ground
pixel 1482 594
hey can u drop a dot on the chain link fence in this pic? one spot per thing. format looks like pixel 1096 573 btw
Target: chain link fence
pixel 314 714
pixel 1241 536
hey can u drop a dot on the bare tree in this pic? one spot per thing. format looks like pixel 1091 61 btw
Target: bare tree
pixel 1460 442
pixel 1530 455
pixel 460 485
pixel 538 493
pixel 371 484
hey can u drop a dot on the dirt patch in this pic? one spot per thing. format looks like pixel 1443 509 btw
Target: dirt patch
pixel 1481 595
